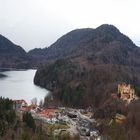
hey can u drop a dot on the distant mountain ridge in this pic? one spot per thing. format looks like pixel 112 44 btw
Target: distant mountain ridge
pixel 81 42
pixel 11 55
pixel 6 46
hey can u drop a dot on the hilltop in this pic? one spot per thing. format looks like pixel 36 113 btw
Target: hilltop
pixel 105 44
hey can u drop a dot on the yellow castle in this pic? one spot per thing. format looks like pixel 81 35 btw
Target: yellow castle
pixel 126 92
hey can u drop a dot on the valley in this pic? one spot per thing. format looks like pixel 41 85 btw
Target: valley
pixel 93 77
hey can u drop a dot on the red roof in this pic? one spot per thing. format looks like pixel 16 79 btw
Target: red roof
pixel 47 112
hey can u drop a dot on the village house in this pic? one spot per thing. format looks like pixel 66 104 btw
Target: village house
pixel 18 104
pixel 126 92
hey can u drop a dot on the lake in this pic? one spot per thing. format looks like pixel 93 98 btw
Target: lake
pixel 19 85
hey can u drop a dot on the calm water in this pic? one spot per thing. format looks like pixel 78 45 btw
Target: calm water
pixel 19 85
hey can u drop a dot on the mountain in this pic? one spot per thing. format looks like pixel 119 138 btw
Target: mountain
pixel 85 66
pixel 63 46
pixel 11 55
pixel 91 43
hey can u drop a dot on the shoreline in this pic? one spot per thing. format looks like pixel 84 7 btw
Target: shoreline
pixel 2 75
pixel 13 69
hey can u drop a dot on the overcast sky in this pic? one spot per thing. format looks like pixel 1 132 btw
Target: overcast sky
pixel 39 23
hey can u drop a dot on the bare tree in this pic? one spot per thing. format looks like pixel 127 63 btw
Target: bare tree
pixel 34 101
pixel 41 103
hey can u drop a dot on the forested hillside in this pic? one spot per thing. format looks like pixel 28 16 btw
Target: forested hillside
pixel 85 65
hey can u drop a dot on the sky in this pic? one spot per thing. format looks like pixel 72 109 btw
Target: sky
pixel 39 23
